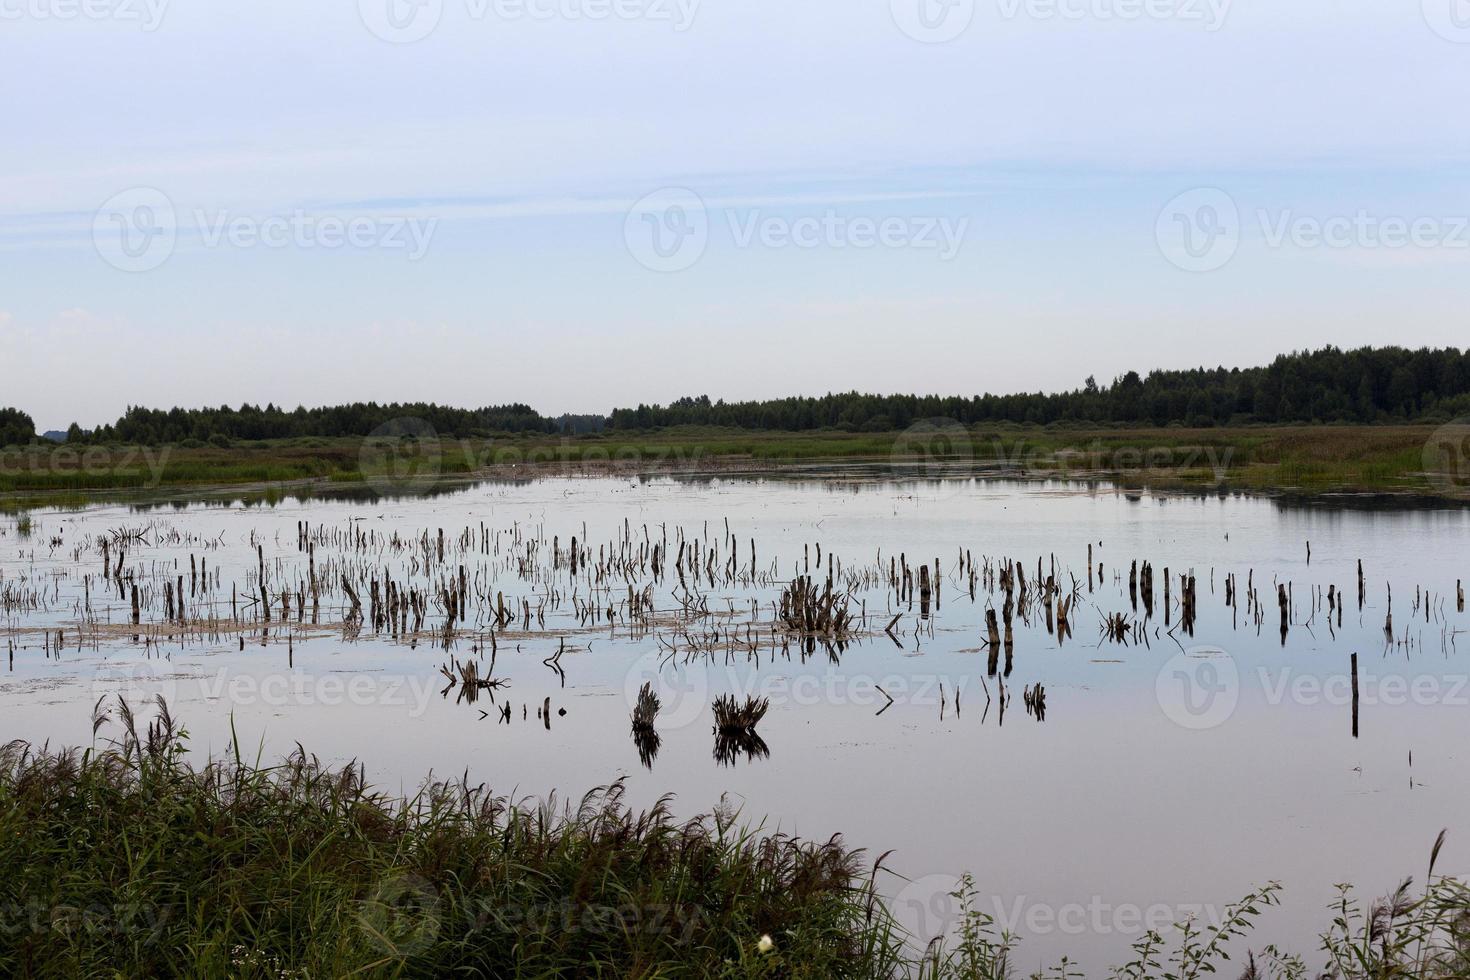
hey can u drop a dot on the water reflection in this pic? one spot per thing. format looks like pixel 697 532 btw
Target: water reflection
pixel 648 742
pixel 570 620
pixel 730 746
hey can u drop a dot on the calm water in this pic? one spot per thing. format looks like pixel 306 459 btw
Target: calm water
pixel 1169 775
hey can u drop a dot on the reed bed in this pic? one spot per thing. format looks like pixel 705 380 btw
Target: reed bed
pixel 732 717
pixel 704 595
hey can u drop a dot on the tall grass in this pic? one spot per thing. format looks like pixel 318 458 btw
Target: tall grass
pixel 126 859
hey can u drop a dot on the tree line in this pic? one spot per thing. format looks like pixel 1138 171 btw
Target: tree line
pixel 1329 385
pixel 249 422
pixel 16 427
pixel 1383 384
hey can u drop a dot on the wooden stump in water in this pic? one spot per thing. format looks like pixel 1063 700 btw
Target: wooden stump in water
pixel 1355 695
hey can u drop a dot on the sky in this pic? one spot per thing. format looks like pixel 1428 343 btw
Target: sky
pixel 584 204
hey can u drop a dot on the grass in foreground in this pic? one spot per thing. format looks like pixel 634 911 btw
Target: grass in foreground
pixel 128 860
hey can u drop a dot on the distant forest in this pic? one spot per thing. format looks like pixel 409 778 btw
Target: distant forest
pixel 1329 385
pixel 225 425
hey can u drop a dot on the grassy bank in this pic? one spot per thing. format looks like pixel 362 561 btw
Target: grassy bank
pixel 1295 459
pixel 126 860
pixel 130 860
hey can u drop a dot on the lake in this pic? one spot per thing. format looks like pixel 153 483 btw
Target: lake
pixel 1094 784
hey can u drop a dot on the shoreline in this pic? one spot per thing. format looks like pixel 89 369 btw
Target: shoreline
pixel 1190 462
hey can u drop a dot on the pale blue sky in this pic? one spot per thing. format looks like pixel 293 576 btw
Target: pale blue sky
pixel 1046 140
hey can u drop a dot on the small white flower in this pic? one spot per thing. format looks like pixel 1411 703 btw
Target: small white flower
pixel 766 944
